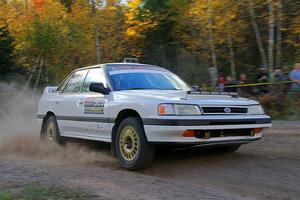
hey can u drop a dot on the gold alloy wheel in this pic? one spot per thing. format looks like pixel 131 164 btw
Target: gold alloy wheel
pixel 51 132
pixel 128 143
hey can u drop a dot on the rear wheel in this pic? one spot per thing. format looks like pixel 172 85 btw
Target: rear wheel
pixel 132 148
pixel 50 134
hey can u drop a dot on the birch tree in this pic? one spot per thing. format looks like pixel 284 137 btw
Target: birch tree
pixel 96 30
pixel 271 38
pixel 278 33
pixel 211 43
pixel 257 32
pixel 231 54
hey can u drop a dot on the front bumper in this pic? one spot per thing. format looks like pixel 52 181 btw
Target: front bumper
pixel 170 130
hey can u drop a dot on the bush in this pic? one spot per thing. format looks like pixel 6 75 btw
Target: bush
pixel 287 107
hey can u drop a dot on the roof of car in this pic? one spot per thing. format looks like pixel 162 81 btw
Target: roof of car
pixel 120 66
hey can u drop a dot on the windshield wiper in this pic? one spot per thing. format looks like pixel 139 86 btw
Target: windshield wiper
pixel 193 92
pixel 138 88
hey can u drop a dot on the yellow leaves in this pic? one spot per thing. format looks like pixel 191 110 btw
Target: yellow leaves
pixel 138 21
pixel 112 32
pixel 81 13
pixel 137 17
pixel 34 25
pixel 295 29
pixel 134 4
pixel 131 32
pixel 111 8
pixel 231 16
pixel 193 24
pixel 53 10
pixel 296 25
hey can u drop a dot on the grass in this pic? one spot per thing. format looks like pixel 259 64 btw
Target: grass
pixel 37 192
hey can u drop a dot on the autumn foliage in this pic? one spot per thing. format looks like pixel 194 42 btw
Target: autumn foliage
pixel 194 38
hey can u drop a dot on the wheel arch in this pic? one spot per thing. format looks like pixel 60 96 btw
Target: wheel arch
pixel 48 114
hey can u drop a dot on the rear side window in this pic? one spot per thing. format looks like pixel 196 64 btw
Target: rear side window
pixel 64 83
pixel 76 81
pixel 95 75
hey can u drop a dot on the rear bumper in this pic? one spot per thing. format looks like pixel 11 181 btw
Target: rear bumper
pixel 171 130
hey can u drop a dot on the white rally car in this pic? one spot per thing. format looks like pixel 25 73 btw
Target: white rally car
pixel 135 107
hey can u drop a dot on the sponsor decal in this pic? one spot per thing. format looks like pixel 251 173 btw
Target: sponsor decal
pixel 94 105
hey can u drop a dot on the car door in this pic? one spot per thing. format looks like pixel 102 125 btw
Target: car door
pixel 70 105
pixel 96 106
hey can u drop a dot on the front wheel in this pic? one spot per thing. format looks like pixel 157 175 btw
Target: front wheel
pixel 132 148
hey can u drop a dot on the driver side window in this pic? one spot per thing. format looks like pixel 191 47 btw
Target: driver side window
pixel 95 75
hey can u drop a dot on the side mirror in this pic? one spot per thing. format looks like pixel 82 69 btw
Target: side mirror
pixel 196 88
pixel 99 88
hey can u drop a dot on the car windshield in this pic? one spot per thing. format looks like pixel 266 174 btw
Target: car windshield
pixel 147 81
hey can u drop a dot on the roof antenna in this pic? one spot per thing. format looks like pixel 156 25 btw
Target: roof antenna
pixel 130 60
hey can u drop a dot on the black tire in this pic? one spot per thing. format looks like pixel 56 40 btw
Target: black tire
pixel 227 148
pixel 130 157
pixel 50 133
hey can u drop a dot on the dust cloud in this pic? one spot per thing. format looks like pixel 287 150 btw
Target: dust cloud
pixel 20 132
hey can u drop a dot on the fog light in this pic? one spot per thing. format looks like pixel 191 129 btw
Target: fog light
pixel 207 135
pixel 257 130
pixel 189 133
pixel 252 132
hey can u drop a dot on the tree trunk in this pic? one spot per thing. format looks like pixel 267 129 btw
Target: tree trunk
pixel 212 45
pixel 33 70
pixel 96 31
pixel 257 34
pixel 38 76
pixel 26 6
pixel 271 38
pixel 45 73
pixel 278 34
pixel 231 54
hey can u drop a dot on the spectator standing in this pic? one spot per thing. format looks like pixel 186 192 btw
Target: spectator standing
pixel 295 76
pixel 221 83
pixel 244 90
pixel 278 89
pixel 262 77
pixel 285 74
pixel 229 82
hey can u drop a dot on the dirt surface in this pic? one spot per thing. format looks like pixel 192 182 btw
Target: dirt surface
pixel 267 169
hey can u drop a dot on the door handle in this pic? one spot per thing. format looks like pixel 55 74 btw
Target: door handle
pixel 56 102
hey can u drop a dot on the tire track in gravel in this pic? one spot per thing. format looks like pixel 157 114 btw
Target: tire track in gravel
pixel 106 181
pixel 267 169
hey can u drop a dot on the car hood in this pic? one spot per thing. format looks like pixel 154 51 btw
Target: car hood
pixel 169 96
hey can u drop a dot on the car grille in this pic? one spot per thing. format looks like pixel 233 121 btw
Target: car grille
pixel 222 110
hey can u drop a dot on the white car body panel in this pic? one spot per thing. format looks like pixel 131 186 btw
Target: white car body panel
pixel 76 120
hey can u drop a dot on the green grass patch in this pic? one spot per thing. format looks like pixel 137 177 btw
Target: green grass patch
pixel 37 192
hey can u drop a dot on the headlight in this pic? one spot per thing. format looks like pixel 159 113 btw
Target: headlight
pixel 255 110
pixel 178 109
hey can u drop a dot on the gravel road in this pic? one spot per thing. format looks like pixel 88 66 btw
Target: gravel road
pixel 267 169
